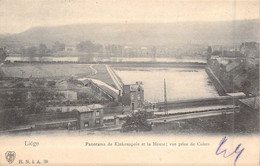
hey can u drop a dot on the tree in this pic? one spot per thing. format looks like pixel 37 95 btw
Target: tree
pixel 23 51
pixel 136 122
pixel 216 52
pixel 13 117
pixel 209 50
pixel 98 48
pixel 154 51
pixel 85 46
pixel 43 50
pixel 31 51
pixel 120 50
pixel 114 50
pixel 35 107
pixel 125 99
pixel 245 86
pixel 58 47
pixel 108 50
pixel 3 55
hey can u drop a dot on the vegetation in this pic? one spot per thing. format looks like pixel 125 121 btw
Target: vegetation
pixel 247 121
pixel 33 51
pixel 24 100
pixel 3 55
pixel 125 99
pixel 250 85
pixel 89 47
pixel 12 117
pixel 90 98
pixel 58 47
pixel 136 122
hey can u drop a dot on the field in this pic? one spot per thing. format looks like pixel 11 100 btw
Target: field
pixel 57 71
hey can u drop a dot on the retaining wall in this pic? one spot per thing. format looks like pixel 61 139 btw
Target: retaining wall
pixel 219 87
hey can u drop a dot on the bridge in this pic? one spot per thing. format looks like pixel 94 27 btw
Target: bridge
pixel 220 100
pixel 196 108
pixel 193 115
pixel 115 79
pixel 102 88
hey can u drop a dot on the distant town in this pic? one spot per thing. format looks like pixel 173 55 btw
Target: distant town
pixel 88 87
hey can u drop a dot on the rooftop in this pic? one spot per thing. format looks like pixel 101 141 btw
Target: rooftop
pixel 232 66
pixel 95 106
pixel 236 94
pixel 252 102
pixel 222 60
pixel 87 108
pixel 134 87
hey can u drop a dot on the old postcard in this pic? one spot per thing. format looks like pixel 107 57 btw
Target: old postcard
pixel 129 82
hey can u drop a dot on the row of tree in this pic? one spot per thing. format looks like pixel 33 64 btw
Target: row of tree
pixel 84 46
pixel 41 50
pixel 89 47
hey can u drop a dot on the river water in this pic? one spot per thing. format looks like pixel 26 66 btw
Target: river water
pixel 104 59
pixel 181 83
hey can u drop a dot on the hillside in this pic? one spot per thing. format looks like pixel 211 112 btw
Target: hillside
pixel 141 34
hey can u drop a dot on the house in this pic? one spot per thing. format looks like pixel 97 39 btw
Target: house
pixel 93 117
pixel 143 51
pixel 70 48
pixel 135 93
pixel 127 51
pixel 233 69
pixel 88 116
pixel 250 49
pixel 86 82
pixel 234 65
pixel 251 63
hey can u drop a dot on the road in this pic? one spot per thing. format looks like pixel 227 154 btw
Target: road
pixel 94 70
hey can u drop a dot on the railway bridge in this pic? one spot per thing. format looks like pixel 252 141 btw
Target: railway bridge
pixel 220 100
pixel 196 108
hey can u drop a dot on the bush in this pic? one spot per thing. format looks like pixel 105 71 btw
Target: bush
pixel 136 122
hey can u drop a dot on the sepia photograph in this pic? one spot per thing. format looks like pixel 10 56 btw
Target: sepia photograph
pixel 130 80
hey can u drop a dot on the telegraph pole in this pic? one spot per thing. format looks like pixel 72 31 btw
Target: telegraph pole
pixel 165 99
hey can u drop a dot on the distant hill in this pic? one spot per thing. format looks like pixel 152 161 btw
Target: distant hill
pixel 141 34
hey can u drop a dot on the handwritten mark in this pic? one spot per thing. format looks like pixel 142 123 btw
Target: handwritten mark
pixel 225 155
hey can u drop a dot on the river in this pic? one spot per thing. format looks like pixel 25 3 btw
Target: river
pixel 181 83
pixel 103 59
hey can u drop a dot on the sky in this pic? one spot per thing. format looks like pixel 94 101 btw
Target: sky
pixel 19 15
